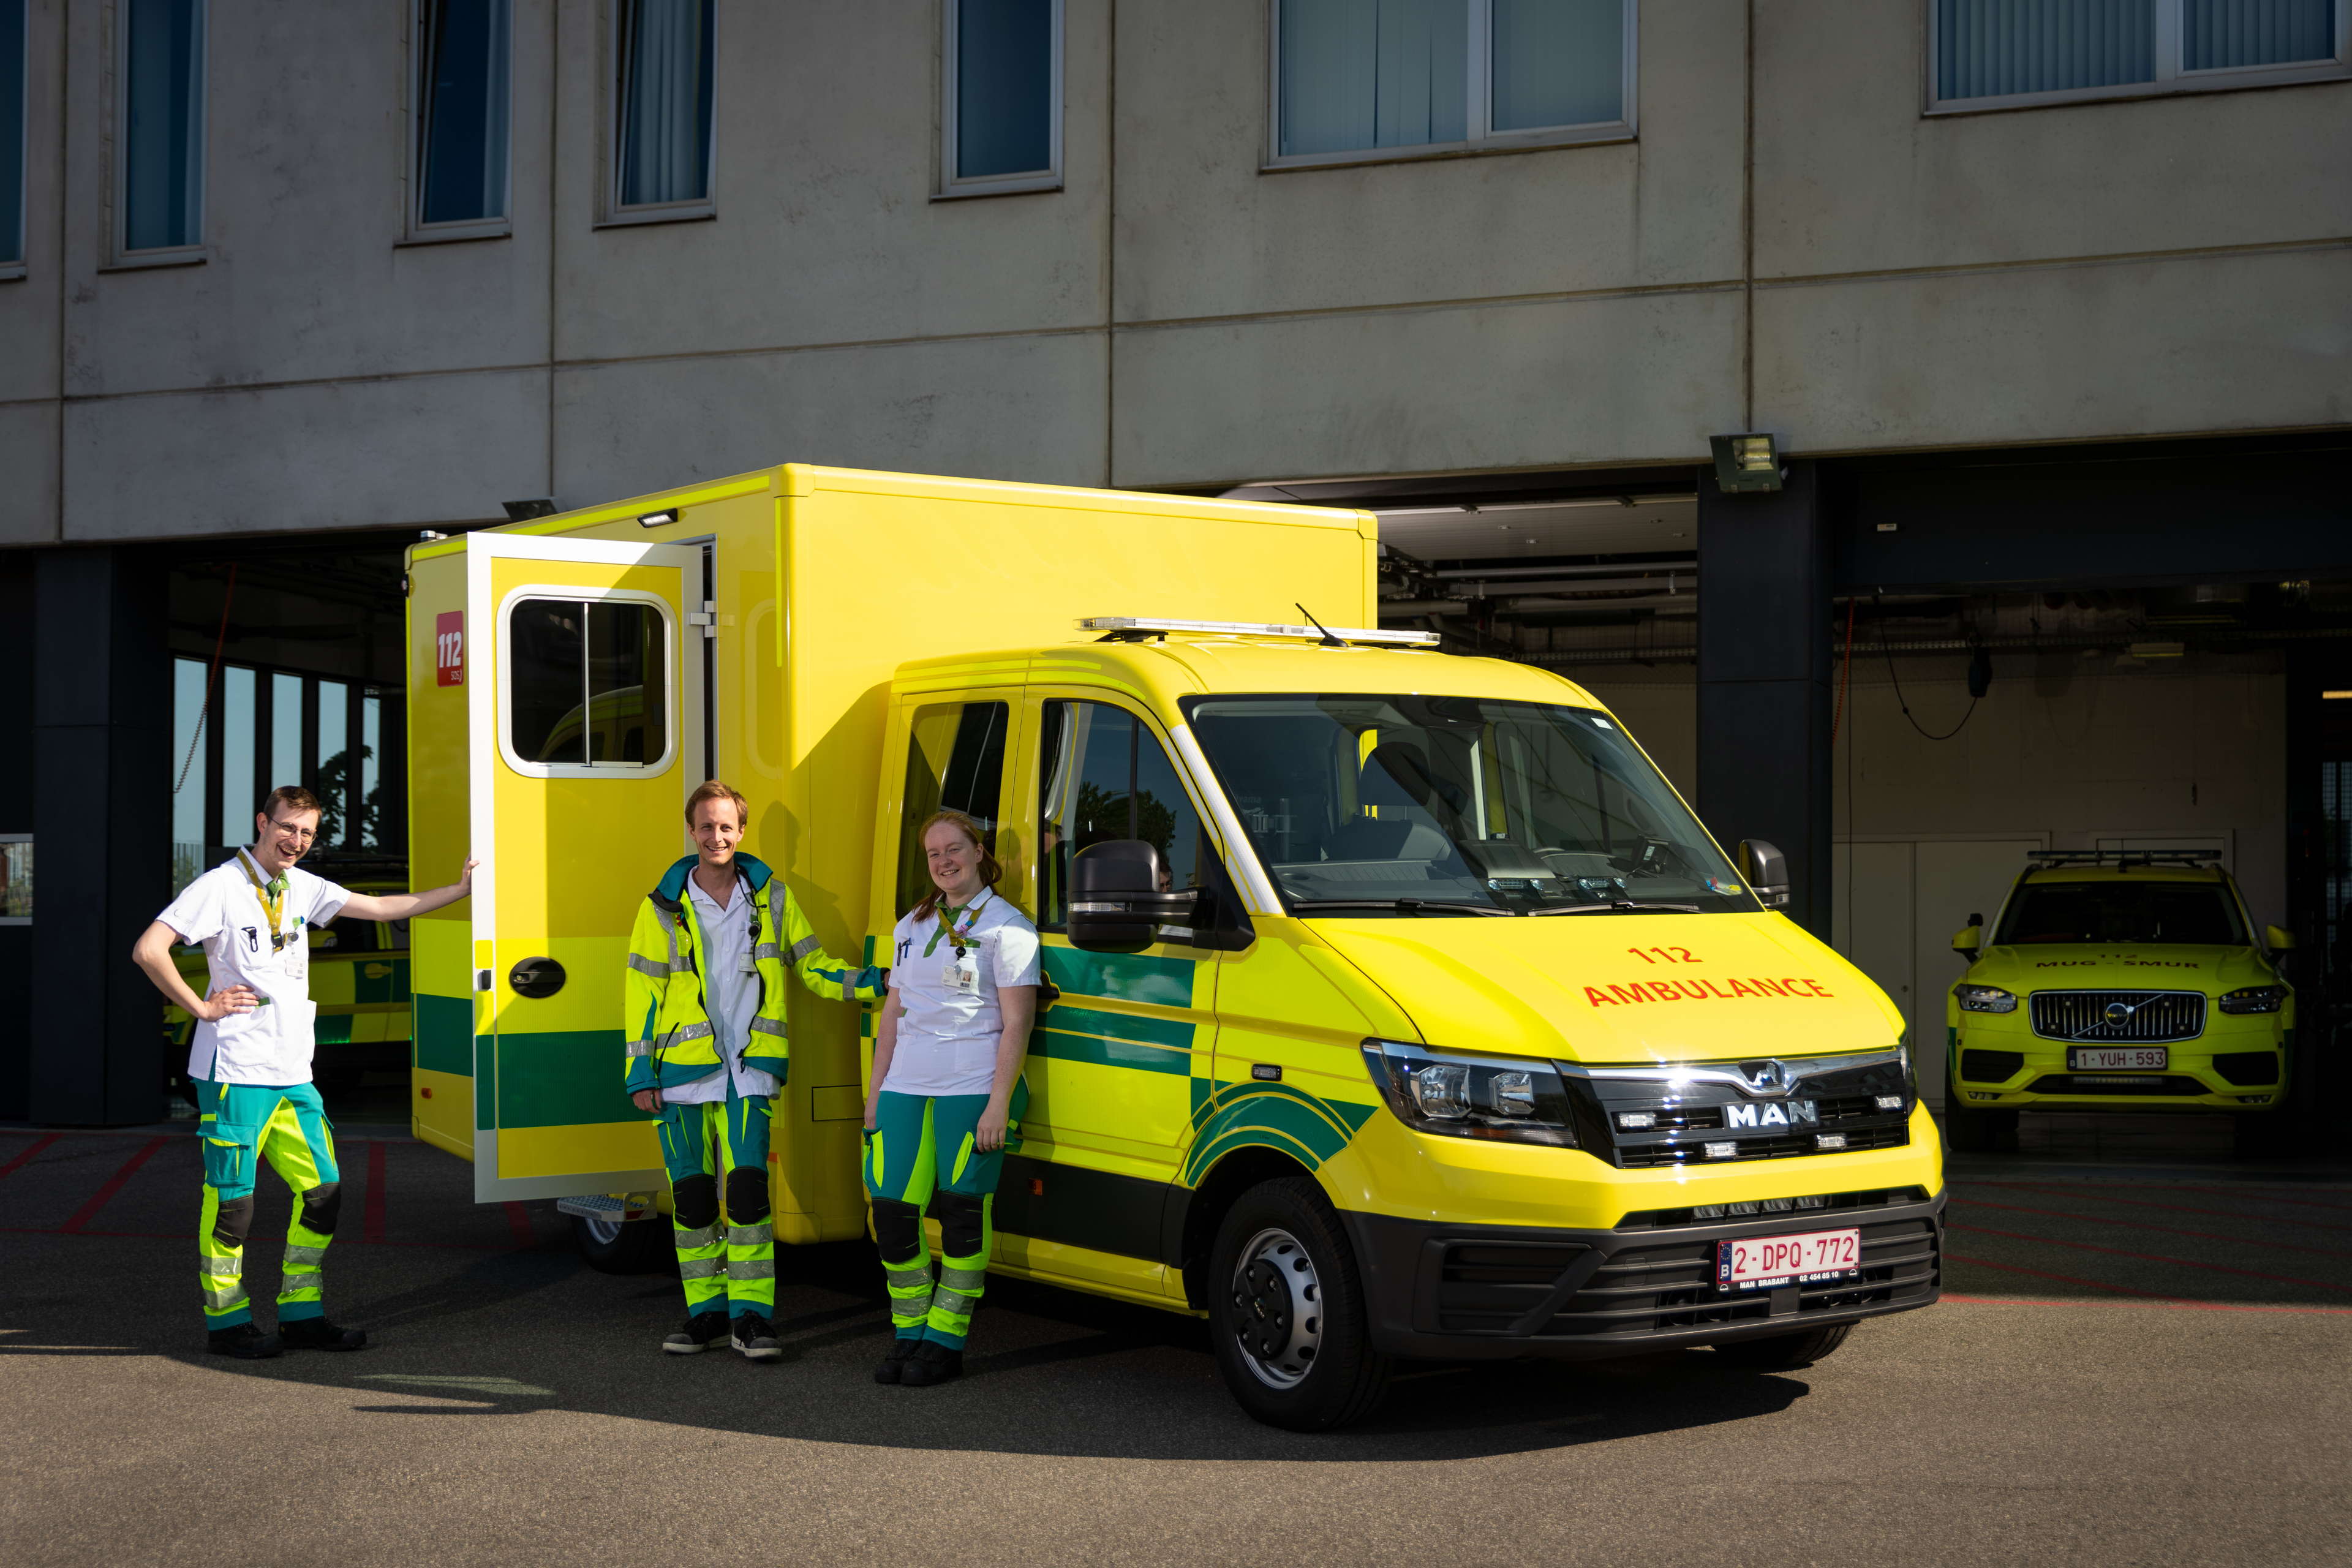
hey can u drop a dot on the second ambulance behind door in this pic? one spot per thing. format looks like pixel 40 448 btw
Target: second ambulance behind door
pixel 1397 1006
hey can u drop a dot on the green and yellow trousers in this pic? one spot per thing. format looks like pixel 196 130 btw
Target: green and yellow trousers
pixel 244 1124
pixel 920 1154
pixel 728 1266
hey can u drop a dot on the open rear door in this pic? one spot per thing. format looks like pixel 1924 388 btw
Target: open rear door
pixel 585 722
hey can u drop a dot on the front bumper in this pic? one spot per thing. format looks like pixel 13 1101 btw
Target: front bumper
pixel 1453 1291
pixel 2000 1071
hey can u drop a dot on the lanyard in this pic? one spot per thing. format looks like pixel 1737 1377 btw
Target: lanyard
pixel 272 895
pixel 971 918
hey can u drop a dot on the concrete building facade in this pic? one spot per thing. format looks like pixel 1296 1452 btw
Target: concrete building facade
pixel 2019 344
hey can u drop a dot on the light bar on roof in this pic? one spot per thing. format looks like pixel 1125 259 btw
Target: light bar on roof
pixel 1255 629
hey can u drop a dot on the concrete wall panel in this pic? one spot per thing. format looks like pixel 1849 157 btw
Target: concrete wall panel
pixel 28 459
pixel 1643 377
pixel 30 303
pixel 1203 232
pixel 303 213
pixel 826 231
pixel 2222 343
pixel 1850 177
pixel 416 450
pixel 1009 408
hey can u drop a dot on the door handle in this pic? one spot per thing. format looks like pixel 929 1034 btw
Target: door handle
pixel 538 978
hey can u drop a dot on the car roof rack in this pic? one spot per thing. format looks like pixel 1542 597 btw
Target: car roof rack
pixel 1124 627
pixel 2120 860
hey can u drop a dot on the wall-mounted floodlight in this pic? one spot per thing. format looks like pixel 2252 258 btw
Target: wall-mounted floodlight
pixel 657 519
pixel 1745 463
pixel 524 510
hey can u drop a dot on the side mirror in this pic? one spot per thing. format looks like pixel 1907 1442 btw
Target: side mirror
pixel 1118 898
pixel 2279 939
pixel 1968 940
pixel 1767 870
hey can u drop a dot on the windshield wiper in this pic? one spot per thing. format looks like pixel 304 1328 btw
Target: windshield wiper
pixel 1410 906
pixel 1619 906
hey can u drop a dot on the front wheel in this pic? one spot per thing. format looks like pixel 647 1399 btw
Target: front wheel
pixel 1784 1352
pixel 623 1246
pixel 1286 1311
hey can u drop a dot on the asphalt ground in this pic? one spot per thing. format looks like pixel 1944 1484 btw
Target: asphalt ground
pixel 2132 1364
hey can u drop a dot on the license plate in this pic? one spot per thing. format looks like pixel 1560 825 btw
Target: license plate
pixel 2106 1058
pixel 1759 1262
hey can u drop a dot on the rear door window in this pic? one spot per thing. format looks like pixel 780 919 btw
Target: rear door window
pixel 588 683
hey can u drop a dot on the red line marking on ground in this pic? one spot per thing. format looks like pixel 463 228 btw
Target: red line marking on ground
pixel 2160 1304
pixel 2163 1229
pixel 2152 1257
pixel 518 1221
pixel 38 1144
pixel 372 1225
pixel 105 1195
pixel 2168 1208
pixel 2299 1203
pixel 2062 1279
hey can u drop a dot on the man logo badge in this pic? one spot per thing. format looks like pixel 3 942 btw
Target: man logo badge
pixel 1790 1113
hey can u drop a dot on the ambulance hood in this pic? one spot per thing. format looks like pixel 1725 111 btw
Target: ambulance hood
pixel 2154 966
pixel 1620 987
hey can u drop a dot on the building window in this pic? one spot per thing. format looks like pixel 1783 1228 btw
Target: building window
pixel 587 686
pixel 1001 118
pixel 464 77
pixel 664 66
pixel 1358 80
pixel 159 135
pixel 1998 54
pixel 12 92
pixel 16 878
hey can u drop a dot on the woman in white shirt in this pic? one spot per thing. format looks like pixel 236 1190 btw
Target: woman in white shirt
pixel 948 1095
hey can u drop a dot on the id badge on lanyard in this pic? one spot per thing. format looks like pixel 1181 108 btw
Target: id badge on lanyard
pixel 961 975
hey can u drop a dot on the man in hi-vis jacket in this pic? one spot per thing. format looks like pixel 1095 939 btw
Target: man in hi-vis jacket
pixel 708 958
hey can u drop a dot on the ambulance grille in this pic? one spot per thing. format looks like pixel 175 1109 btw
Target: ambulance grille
pixel 2149 1018
pixel 1642 1156
pixel 1670 1286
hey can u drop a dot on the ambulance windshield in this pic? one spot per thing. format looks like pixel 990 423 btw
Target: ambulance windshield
pixel 1430 805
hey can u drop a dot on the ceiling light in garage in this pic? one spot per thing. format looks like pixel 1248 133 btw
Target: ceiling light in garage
pixel 1745 463
pixel 2335 695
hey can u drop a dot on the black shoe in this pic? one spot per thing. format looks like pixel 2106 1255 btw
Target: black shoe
pixel 888 1369
pixel 755 1338
pixel 244 1342
pixel 931 1362
pixel 318 1334
pixel 701 1332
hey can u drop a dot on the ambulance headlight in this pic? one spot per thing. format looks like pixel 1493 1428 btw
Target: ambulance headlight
pixel 1985 999
pixel 2254 999
pixel 1460 1096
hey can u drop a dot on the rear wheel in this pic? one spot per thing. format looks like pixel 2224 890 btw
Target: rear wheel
pixel 1980 1131
pixel 1785 1353
pixel 1286 1311
pixel 623 1246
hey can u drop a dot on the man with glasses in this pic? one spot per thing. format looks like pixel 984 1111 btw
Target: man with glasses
pixel 250 1063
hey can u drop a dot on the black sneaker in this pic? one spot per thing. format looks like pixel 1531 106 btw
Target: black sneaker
pixel 318 1334
pixel 244 1342
pixel 755 1338
pixel 902 1351
pixel 931 1362
pixel 701 1332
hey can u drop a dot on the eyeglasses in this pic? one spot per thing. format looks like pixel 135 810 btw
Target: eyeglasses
pixel 304 834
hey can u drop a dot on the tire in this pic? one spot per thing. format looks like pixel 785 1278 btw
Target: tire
pixel 1784 1352
pixel 1286 1312
pixel 2259 1135
pixel 1980 1131
pixel 623 1247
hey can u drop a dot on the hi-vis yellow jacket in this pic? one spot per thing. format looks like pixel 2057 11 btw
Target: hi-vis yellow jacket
pixel 675 1041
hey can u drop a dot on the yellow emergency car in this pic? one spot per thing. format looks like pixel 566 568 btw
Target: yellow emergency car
pixel 2111 981
pixel 1396 1005
pixel 359 978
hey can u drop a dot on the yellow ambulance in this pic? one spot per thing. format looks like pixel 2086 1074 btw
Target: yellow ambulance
pixel 1396 1005
pixel 2118 981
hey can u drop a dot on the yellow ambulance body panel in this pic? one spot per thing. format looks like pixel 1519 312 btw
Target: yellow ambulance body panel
pixel 1661 1083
